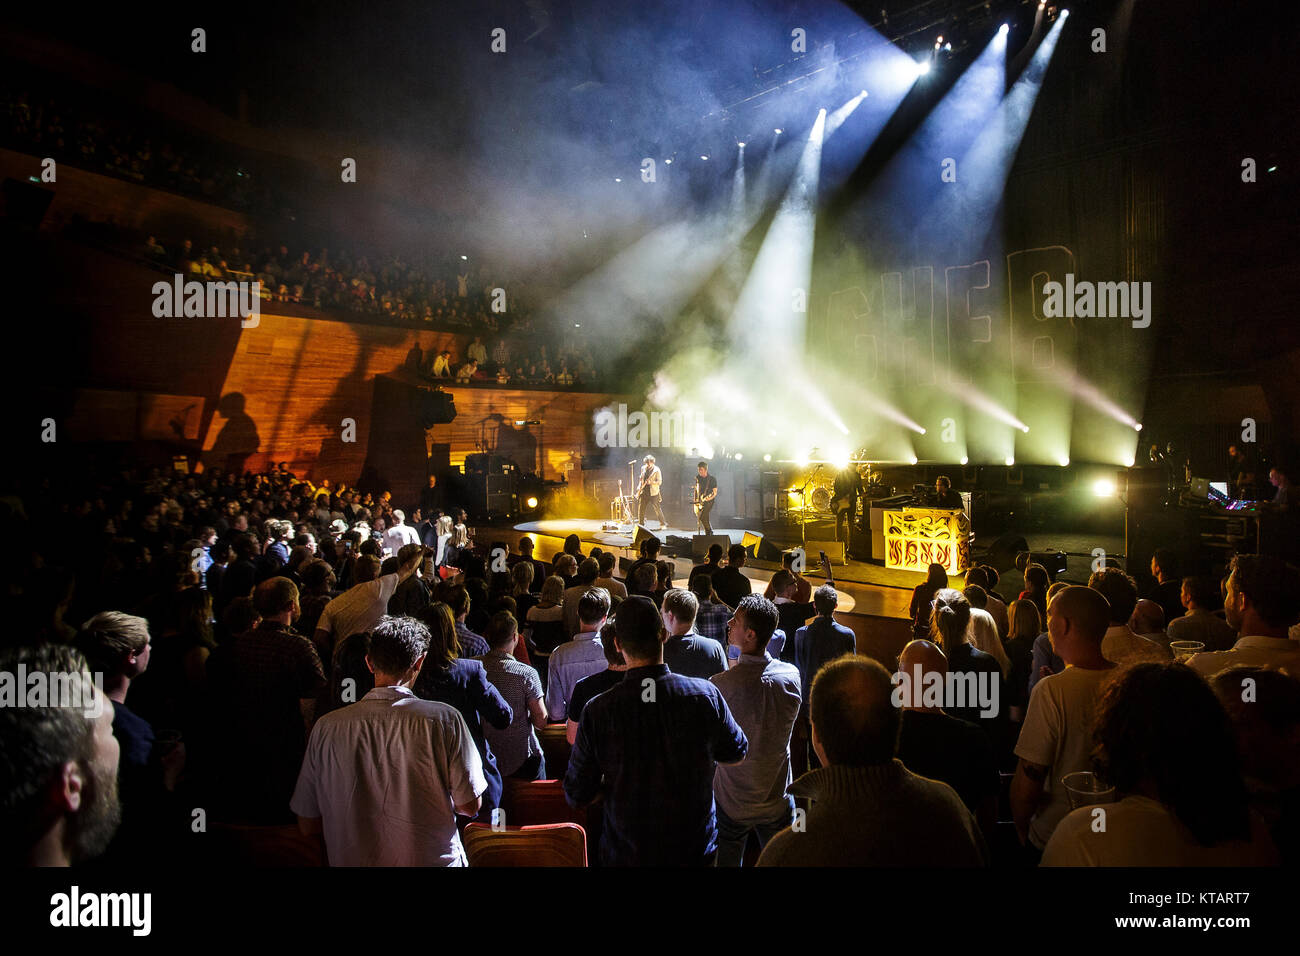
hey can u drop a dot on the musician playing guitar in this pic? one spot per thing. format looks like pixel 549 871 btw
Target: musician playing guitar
pixel 706 489
pixel 847 489
pixel 648 491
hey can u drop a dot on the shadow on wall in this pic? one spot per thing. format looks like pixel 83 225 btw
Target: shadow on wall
pixel 238 438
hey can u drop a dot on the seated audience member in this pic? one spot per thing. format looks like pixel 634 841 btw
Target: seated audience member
pixel 588 571
pixel 462 683
pixel 370 765
pixel 360 607
pixel 642 581
pixel 936 745
pixel 579 657
pixel 517 749
pixel 663 580
pixel 649 554
pixel 1267 728
pixel 983 701
pixel 1121 645
pixel 791 614
pixel 867 809
pixel 1148 621
pixel 1164 742
pixel 650 746
pixel 596 683
pixel 1168 589
pixel 1262 602
pixel 471 643
pixel 711 616
pixel 1037 583
pixel 617 590
pixel 982 632
pixel 1045 660
pixel 58 792
pixel 764 697
pixel 730 583
pixel 1200 596
pixel 521 589
pixel 1056 736
pixel 1025 627
pixel 712 565
pixel 566 566
pixel 936 579
pixel 540 568
pixel 686 652
pixel 268 683
pixel 979 577
pixel 803 589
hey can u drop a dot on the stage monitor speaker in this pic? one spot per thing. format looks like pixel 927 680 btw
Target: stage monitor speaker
pixel 759 547
pixel 1002 553
pixel 835 550
pixel 1053 562
pixel 701 543
pixel 642 534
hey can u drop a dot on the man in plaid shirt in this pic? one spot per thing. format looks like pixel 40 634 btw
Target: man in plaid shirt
pixel 711 619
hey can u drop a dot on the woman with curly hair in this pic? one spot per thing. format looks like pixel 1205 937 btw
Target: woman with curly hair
pixel 1166 745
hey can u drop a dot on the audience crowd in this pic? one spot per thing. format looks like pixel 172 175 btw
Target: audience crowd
pixel 282 653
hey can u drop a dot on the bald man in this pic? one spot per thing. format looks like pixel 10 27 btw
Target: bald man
pixel 1148 621
pixel 1056 737
pixel 941 747
pixel 867 808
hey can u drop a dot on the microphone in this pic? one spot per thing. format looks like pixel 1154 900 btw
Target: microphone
pixel 632 462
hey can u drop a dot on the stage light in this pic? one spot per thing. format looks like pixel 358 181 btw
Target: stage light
pixel 1128 462
pixel 577 325
pixel 840 457
pixel 704 157
pixel 1065 13
pixel 668 162
pixel 1025 429
pixel 531 503
pixel 1065 461
pixel 912 459
pixel 1003 29
pixel 964 459
pixel 948 47
pixel 1137 427
pixel 802 459
pixel 922 431
pixel 923 68
pixel 466 258
pixel 1010 461
pixel 617 180
pixel 767 457
pixel 1103 488
pixel 777 131
pixel 741 145
pixel 738 456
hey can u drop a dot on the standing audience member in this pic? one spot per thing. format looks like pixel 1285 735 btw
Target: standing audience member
pixel 382 777
pixel 1120 644
pixel 730 583
pixel 517 749
pixel 651 746
pixel 764 698
pixel 580 657
pixel 1262 603
pixel 597 683
pixel 685 651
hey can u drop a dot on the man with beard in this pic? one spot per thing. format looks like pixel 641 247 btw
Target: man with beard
pixel 58 764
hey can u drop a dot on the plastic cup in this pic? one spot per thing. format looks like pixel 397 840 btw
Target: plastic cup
pixel 1083 788
pixel 1185 649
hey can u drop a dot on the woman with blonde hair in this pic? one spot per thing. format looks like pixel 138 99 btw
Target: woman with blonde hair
pixel 444 536
pixel 545 621
pixel 1024 626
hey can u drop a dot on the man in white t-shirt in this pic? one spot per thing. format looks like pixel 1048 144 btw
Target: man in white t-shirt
pixel 360 607
pixel 1121 644
pixel 381 777
pixel 400 534
pixel 1056 736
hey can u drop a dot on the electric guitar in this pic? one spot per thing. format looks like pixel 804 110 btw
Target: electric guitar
pixel 699 502
pixel 652 479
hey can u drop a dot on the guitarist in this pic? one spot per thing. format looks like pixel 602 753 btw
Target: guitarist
pixel 706 490
pixel 847 488
pixel 648 491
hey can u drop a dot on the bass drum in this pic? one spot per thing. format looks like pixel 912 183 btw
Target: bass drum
pixel 820 499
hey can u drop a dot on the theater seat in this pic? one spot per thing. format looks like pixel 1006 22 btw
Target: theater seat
pixel 536 802
pixel 556 844
pixel 245 846
pixel 555 745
